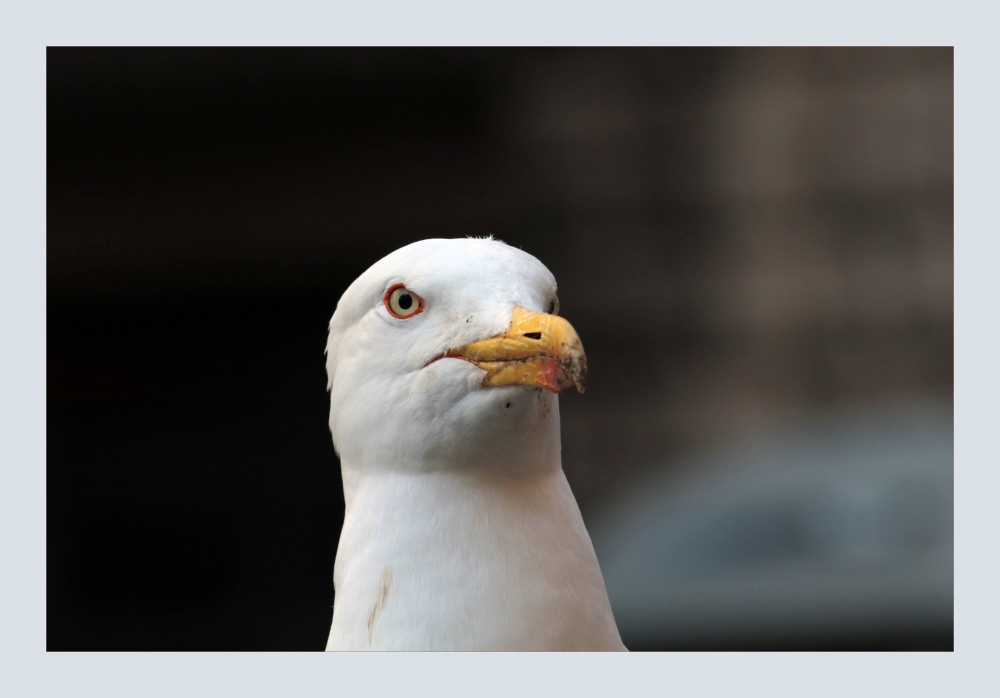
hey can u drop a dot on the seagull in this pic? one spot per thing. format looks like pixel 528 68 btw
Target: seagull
pixel 445 360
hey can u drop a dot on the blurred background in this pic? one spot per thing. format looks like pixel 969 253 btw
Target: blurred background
pixel 754 244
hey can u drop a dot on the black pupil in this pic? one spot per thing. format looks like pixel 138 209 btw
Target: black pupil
pixel 404 301
pixel 552 306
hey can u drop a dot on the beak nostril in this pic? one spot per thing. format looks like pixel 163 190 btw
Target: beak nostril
pixel 533 335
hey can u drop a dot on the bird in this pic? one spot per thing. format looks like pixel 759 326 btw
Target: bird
pixel 445 360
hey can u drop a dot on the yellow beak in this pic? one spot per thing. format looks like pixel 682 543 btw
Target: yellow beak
pixel 539 350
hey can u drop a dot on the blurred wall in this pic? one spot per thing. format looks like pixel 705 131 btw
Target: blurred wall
pixel 741 236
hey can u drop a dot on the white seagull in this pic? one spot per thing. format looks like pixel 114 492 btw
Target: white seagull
pixel 444 360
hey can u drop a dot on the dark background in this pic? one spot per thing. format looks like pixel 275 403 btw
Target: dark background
pixel 741 237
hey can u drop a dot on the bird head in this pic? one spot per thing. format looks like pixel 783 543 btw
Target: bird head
pixel 449 355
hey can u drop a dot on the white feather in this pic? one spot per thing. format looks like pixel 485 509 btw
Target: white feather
pixel 460 530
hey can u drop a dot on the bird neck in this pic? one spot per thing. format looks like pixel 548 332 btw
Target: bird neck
pixel 444 560
pixel 499 476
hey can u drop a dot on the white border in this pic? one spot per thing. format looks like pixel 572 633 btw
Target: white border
pixel 28 670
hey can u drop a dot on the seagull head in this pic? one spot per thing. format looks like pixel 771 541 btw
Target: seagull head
pixel 449 355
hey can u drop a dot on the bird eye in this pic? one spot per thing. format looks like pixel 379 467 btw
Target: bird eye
pixel 554 306
pixel 401 302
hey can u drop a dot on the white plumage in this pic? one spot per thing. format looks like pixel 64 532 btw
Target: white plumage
pixel 460 531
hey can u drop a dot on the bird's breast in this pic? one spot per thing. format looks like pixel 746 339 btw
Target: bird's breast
pixel 456 562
